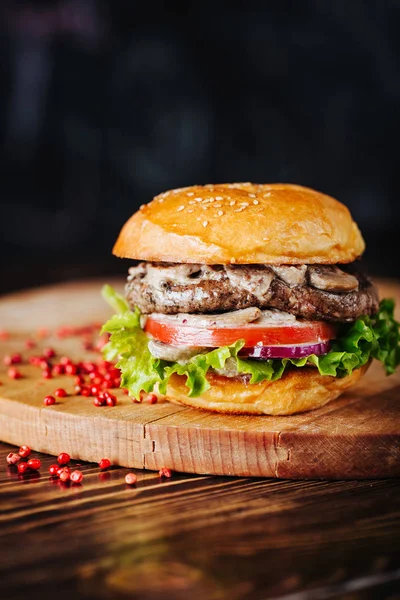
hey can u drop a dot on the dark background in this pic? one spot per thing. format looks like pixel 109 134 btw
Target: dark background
pixel 103 104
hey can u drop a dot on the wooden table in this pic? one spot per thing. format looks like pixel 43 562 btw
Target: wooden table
pixel 195 537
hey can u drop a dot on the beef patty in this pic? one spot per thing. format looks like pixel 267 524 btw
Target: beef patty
pixel 309 291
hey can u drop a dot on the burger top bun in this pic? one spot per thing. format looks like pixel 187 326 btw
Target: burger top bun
pixel 242 223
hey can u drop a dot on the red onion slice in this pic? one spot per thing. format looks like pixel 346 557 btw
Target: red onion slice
pixel 286 351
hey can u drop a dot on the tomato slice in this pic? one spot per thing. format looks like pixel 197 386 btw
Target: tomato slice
pixel 300 332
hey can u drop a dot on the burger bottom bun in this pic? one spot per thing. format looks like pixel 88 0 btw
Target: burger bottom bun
pixel 297 391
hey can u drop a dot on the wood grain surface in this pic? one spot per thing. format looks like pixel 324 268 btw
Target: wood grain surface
pixel 196 537
pixel 357 436
pixel 191 537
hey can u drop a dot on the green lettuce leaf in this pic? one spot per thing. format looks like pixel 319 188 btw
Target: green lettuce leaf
pixel 114 299
pixel 369 337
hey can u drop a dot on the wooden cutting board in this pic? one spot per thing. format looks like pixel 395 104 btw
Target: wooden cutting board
pixel 357 436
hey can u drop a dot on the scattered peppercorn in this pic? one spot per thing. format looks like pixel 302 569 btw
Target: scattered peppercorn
pixel 130 478
pixel 53 470
pixel 165 472
pixel 65 360
pixel 76 476
pixel 58 369
pixel 24 451
pixel 47 374
pixel 64 476
pixel 49 400
pixel 14 373
pixel 22 467
pixel 12 458
pixel 60 393
pixel 63 458
pixel 34 464
pixel 151 399
pixel 49 353
pixel 65 469
pixel 104 464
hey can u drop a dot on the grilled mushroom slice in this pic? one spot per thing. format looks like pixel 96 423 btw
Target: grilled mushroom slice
pixel 331 279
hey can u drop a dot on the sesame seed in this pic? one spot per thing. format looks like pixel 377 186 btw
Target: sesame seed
pixel 182 207
pixel 220 213
pixel 267 194
pixel 192 202
pixel 190 210
pixel 161 199
pixel 252 195
pixel 241 209
pixel 233 260
pixel 218 197
pixel 190 194
pixel 265 239
pixel 198 199
pixel 142 207
pixel 205 223
pixel 204 207
pixel 256 202
pixel 244 204
pixel 217 205
pixel 232 203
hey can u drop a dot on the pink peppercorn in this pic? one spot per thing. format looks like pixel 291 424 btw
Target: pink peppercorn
pixel 63 470
pixel 49 352
pixel 53 470
pixel 34 464
pixel 64 476
pixel 12 458
pixel 49 400
pixel 71 369
pixel 14 373
pixel 76 476
pixel 104 464
pixel 24 451
pixel 165 472
pixel 63 458
pixel 130 478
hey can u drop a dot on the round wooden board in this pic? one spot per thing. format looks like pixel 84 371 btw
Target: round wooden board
pixel 357 436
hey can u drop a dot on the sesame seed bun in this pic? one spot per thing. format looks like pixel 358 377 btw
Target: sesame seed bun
pixel 242 223
pixel 297 391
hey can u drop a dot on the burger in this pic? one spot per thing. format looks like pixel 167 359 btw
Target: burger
pixel 246 298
